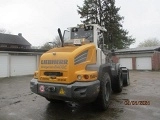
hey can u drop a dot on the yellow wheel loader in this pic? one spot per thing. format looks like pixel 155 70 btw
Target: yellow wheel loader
pixel 81 70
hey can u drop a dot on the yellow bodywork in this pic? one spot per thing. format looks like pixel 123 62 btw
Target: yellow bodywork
pixel 65 61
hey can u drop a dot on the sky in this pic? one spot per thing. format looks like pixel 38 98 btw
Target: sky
pixel 38 20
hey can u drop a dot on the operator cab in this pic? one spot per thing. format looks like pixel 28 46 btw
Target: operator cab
pixel 91 33
pixel 82 32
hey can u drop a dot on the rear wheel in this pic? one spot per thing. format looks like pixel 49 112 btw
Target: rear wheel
pixel 126 80
pixel 103 98
pixel 117 82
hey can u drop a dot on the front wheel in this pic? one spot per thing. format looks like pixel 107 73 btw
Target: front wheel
pixel 105 92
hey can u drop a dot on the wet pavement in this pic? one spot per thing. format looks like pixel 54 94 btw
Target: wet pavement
pixel 17 102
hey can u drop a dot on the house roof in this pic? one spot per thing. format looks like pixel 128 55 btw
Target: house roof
pixel 141 49
pixel 13 39
pixel 8 50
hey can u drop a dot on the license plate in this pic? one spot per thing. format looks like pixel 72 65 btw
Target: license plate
pixel 44 88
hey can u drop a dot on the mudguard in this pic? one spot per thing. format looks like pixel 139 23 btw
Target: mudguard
pixel 104 68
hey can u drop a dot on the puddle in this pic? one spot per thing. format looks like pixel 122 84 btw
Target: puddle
pixel 74 111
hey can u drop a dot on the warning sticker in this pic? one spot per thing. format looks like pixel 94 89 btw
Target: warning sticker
pixel 61 91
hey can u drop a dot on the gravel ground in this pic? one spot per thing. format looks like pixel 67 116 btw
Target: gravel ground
pixel 139 101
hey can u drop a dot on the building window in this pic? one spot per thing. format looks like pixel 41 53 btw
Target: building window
pixel 19 46
pixel 3 45
pixel 14 46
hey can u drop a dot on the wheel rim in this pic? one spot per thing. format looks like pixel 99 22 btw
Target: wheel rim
pixel 107 91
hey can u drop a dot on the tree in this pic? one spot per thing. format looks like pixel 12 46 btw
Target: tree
pixel 57 41
pixel 35 47
pixel 46 46
pixel 105 13
pixel 149 42
pixel 2 30
pixel 49 45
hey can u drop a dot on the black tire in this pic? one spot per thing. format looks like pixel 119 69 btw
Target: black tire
pixel 103 98
pixel 117 83
pixel 54 100
pixel 126 80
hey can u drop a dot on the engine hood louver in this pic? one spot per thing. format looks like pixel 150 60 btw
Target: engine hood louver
pixel 81 57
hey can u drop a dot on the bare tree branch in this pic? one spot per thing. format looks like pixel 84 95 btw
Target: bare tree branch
pixel 2 30
pixel 149 42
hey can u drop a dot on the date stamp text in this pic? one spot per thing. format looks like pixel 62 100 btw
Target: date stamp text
pixel 134 102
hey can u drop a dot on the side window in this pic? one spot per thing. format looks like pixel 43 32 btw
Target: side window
pixel 66 35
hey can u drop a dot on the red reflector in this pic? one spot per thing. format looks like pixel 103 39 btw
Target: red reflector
pixel 41 88
pixel 86 76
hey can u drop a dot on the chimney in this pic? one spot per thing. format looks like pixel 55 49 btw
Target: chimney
pixel 20 34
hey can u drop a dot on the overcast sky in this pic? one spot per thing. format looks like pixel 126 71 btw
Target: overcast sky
pixel 38 20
